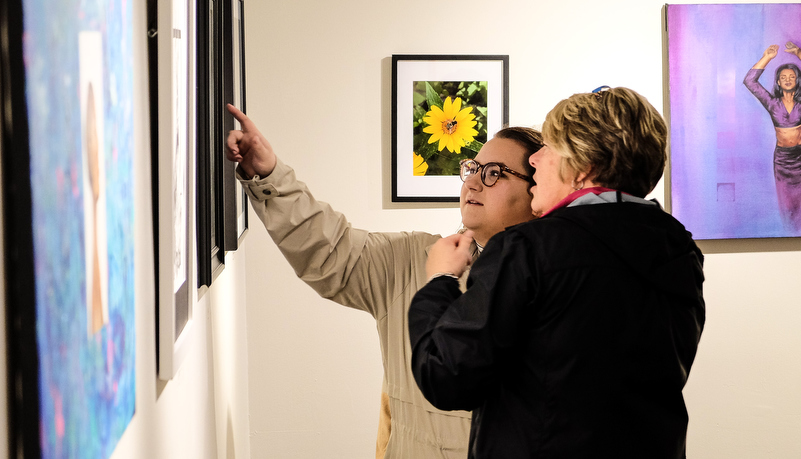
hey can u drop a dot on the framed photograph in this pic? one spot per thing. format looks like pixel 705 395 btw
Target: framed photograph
pixel 239 101
pixel 173 186
pixel 68 201
pixel 233 78
pixel 735 124
pixel 444 108
pixel 210 141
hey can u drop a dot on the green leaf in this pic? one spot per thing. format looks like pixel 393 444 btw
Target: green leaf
pixel 418 99
pixel 432 97
pixel 418 113
pixel 474 146
pixel 427 150
pixel 419 140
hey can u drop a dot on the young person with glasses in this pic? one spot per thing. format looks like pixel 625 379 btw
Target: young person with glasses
pixel 380 272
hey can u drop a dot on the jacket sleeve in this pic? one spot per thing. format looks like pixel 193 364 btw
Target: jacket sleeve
pixel 460 342
pixel 350 266
pixel 751 82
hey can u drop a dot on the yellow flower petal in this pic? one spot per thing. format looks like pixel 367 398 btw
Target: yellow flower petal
pixel 446 107
pixel 457 105
pixel 451 144
pixel 420 165
pixel 465 115
pixel 436 114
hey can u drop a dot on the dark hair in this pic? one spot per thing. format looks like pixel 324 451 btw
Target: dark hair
pixel 529 138
pixel 777 90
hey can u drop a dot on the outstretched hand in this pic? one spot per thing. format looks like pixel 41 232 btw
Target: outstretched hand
pixel 767 56
pixel 450 255
pixel 792 48
pixel 249 147
pixel 771 52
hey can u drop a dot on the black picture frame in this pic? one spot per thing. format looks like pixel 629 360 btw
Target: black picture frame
pixel 240 90
pixel 210 142
pixel 234 199
pixel 221 200
pixel 172 160
pixel 419 82
pixel 68 245
pixel 20 297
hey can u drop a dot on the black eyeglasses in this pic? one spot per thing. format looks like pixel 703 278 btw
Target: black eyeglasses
pixel 490 172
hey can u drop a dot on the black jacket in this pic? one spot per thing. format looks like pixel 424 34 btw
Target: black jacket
pixel 574 339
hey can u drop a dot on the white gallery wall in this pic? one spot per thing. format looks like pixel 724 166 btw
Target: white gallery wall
pixel 318 78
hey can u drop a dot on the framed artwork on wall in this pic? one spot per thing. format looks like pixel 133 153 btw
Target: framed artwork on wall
pixel 735 147
pixel 210 142
pixel 444 108
pixel 173 161
pixel 68 193
pixel 233 77
pixel 221 200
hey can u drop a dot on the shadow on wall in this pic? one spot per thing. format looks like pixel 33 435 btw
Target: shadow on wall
pixel 230 449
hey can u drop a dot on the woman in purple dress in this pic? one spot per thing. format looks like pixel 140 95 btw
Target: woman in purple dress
pixel 784 107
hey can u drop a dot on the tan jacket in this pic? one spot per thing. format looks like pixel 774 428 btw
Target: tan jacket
pixel 375 272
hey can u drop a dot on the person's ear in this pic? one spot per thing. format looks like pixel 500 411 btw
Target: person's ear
pixel 582 176
pixel 585 179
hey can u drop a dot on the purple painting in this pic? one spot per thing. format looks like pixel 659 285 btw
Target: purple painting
pixel 79 93
pixel 735 136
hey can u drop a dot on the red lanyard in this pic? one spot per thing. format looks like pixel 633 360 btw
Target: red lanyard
pixel 575 195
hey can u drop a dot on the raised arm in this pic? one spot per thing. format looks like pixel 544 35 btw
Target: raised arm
pixel 751 80
pixel 767 56
pixel 353 267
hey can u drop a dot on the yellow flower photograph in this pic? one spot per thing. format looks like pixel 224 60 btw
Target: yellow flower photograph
pixel 444 109
pixel 451 125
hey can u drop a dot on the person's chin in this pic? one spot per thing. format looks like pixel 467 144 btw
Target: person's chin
pixel 471 217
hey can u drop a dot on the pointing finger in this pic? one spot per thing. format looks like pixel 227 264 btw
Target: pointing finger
pixel 247 124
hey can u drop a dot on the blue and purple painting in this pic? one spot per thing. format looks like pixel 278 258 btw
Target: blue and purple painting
pixel 735 148
pixel 79 70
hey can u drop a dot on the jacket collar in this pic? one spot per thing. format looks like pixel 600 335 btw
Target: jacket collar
pixel 575 195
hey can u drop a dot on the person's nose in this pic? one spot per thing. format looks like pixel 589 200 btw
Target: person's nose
pixel 533 159
pixel 473 182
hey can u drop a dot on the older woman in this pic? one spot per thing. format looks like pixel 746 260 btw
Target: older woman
pixel 578 329
pixel 784 107
pixel 379 272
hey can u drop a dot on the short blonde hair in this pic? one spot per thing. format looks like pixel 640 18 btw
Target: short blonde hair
pixel 616 136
